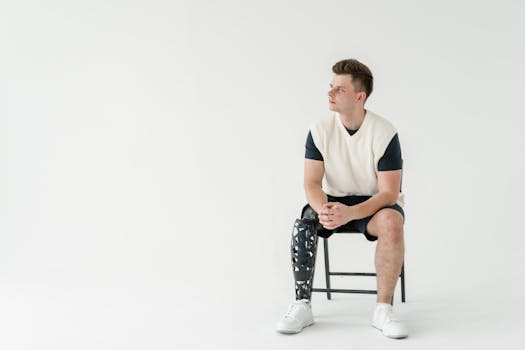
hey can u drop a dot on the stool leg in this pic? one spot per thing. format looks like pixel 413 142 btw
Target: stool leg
pixel 403 282
pixel 327 268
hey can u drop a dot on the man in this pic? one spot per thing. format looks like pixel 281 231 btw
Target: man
pixel 352 180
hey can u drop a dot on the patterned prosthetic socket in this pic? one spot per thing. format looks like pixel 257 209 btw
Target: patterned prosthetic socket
pixel 304 249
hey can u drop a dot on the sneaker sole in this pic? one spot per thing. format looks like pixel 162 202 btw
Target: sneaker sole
pixel 390 336
pixel 295 331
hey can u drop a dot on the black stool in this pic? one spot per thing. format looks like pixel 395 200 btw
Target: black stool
pixel 328 290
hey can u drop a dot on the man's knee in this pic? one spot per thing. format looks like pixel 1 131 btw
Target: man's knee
pixel 386 223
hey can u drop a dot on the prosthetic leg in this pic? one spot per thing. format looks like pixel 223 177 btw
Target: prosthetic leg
pixel 304 250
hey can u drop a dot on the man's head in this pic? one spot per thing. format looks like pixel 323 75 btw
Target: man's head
pixel 351 85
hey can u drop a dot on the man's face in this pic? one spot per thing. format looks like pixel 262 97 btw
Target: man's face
pixel 342 96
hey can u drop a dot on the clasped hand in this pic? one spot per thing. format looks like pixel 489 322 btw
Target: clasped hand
pixel 335 214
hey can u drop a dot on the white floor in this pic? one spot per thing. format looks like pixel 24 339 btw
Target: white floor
pixel 141 316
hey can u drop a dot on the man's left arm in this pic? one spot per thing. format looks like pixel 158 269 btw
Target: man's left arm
pixel 389 172
pixel 389 185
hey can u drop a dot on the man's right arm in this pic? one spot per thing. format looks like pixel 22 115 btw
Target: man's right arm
pixel 313 177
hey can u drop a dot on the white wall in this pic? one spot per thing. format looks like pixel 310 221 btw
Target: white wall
pixel 163 142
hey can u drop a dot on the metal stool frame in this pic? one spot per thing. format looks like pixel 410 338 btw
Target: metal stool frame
pixel 328 290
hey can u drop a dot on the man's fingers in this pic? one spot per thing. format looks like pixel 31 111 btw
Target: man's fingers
pixel 328 223
pixel 325 220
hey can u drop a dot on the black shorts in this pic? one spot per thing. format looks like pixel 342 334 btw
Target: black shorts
pixel 353 225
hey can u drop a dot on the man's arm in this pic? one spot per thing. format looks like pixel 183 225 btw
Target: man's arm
pixel 389 185
pixel 313 177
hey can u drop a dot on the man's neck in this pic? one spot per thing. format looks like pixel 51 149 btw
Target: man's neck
pixel 353 120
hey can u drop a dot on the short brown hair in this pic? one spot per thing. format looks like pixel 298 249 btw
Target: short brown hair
pixel 362 78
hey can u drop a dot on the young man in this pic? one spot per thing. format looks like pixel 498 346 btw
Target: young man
pixel 352 180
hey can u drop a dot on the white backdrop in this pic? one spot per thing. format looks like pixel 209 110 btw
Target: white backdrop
pixel 159 144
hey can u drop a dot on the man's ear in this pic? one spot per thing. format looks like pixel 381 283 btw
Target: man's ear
pixel 362 96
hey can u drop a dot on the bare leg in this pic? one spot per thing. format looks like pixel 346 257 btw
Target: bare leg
pixel 387 225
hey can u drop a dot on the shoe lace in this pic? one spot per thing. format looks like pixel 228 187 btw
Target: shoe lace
pixel 387 315
pixel 390 316
pixel 293 309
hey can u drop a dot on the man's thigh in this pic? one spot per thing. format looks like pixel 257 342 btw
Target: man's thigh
pixel 383 217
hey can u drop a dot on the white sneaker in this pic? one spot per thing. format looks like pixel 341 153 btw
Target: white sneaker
pixel 387 323
pixel 298 316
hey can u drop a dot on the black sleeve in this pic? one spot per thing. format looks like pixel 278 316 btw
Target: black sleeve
pixel 392 159
pixel 312 152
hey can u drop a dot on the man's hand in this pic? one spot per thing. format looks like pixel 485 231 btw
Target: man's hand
pixel 335 214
